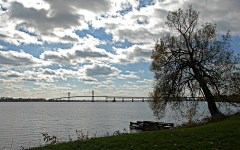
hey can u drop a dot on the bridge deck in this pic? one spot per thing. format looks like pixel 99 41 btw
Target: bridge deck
pixel 128 97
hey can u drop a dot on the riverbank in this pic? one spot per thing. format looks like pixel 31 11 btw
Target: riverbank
pixel 220 135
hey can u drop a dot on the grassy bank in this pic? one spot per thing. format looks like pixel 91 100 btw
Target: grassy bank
pixel 219 135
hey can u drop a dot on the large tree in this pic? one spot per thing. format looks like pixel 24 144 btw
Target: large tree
pixel 195 60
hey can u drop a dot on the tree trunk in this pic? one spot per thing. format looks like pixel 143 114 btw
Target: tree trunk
pixel 208 95
pixel 210 99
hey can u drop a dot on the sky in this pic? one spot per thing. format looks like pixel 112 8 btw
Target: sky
pixel 51 47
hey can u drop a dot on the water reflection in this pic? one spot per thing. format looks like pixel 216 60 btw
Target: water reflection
pixel 190 110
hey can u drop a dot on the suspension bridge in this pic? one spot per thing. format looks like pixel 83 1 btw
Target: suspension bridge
pixel 93 98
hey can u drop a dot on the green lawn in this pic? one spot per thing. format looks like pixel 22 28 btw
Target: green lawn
pixel 221 135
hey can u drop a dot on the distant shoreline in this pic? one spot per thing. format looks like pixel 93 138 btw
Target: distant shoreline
pixel 7 99
pixel 44 100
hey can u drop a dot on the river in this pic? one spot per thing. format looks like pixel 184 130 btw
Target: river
pixel 21 123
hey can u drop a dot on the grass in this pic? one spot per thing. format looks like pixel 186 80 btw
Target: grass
pixel 219 135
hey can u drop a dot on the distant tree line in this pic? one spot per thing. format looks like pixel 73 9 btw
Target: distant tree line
pixel 10 99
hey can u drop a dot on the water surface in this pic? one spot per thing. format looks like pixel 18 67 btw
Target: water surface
pixel 21 123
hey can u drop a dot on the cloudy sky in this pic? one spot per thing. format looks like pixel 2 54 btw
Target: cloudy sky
pixel 51 47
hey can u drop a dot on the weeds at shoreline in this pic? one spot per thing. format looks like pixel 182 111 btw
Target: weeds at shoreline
pixel 195 123
pixel 47 138
pixel 81 136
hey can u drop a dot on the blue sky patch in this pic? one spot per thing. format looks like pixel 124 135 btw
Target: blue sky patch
pixel 144 3
pixel 3 9
pixel 97 33
pixel 25 31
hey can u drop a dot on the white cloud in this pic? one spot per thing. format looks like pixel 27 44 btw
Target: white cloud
pixel 109 87
pixel 45 75
pixel 56 21
pixel 89 53
pixel 11 74
pixel 131 87
pixel 136 26
pixel 79 53
pixel 139 88
pixel 2 47
pixel 148 23
pixel 130 75
pixel 85 74
pixel 107 82
pixel 134 54
pixel 51 21
pixel 147 81
pixel 37 4
pixel 9 34
pixel 50 86
pixel 20 59
pixel 17 87
pixel 62 74
pixel 45 85
pixel 88 80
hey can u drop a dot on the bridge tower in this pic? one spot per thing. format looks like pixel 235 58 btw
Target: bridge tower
pixel 92 95
pixel 69 96
pixel 106 99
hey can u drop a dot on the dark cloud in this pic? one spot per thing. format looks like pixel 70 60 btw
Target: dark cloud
pixel 18 59
pixel 61 14
pixel 135 54
pixel 72 57
pixel 88 80
pixel 138 35
pixel 223 13
pixel 55 57
pixel 101 70
pixel 30 80
pixel 49 72
pixel 40 20
pixel 161 14
pixel 141 53
pixel 96 6
pixel 70 39
pixel 11 74
pixel 88 53
pixel 124 61
pixel 2 36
